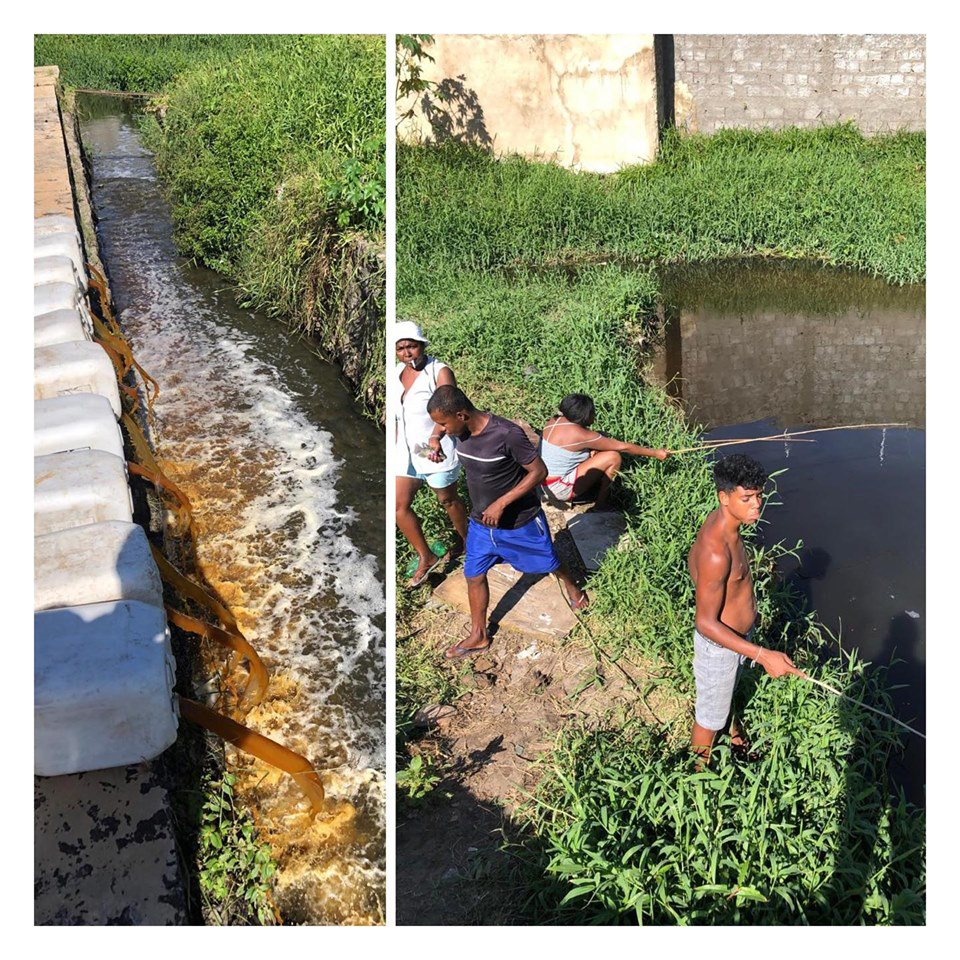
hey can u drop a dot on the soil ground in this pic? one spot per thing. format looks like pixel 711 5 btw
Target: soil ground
pixel 520 694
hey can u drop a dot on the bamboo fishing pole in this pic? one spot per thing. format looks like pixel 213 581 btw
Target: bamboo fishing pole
pixel 860 703
pixel 716 444
pixel 713 444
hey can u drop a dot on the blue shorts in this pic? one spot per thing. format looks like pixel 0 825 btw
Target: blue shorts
pixel 528 549
pixel 436 481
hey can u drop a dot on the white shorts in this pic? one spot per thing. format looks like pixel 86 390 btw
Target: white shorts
pixel 716 670
pixel 562 487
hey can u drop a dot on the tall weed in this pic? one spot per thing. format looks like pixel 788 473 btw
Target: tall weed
pixel 629 831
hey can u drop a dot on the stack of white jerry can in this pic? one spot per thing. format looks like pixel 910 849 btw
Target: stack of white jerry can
pixel 103 667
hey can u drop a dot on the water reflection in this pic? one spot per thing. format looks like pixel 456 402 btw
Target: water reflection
pixel 793 342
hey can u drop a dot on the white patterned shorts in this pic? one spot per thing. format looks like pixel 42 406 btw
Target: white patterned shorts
pixel 716 670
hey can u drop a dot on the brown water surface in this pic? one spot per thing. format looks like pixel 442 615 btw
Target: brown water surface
pixel 286 482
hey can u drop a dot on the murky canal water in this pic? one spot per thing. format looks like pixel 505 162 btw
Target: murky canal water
pixel 286 481
pixel 753 348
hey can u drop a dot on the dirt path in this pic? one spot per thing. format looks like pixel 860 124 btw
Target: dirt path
pixel 521 693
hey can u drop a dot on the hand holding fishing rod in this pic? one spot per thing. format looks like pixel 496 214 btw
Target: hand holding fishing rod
pixel 776 664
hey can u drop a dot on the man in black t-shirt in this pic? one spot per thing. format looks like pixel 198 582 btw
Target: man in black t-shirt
pixel 506 523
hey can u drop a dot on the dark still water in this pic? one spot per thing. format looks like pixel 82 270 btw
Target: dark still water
pixel 286 481
pixel 753 349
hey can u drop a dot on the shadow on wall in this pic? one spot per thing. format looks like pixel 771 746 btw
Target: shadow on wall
pixel 454 114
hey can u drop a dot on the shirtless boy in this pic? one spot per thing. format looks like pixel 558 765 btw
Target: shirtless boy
pixel 726 607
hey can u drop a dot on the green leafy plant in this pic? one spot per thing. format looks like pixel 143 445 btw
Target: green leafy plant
pixel 631 831
pixel 410 55
pixel 235 867
pixel 419 778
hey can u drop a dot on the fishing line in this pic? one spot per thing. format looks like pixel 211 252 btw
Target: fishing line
pixel 712 444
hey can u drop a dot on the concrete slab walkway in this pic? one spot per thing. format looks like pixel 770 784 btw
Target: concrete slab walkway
pixel 517 601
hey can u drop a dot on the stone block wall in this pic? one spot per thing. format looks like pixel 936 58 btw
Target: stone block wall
pixel 769 81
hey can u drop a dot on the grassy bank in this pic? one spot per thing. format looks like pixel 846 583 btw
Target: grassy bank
pixel 623 829
pixel 829 194
pixel 139 63
pixel 272 152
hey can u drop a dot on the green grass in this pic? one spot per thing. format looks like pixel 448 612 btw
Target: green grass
pixel 622 828
pixel 139 63
pixel 627 831
pixel 274 162
pixel 236 868
pixel 797 193
pixel 271 149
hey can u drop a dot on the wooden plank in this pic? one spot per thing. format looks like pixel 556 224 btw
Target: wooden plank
pixel 531 604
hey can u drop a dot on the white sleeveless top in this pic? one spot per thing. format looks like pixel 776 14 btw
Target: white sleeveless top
pixel 414 425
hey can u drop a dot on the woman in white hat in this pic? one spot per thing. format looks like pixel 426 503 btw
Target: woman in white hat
pixel 423 452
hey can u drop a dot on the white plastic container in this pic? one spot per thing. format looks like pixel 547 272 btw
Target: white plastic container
pixel 83 421
pixel 103 687
pixel 54 223
pixel 76 367
pixel 58 326
pixel 61 245
pixel 48 297
pixel 56 270
pixel 83 486
pixel 96 563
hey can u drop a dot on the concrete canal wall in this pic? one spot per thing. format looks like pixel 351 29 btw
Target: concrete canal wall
pixel 589 102
pixel 103 671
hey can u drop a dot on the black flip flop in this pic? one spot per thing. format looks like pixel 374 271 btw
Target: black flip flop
pixel 465 651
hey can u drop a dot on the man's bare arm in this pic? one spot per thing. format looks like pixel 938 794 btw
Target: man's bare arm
pixel 621 446
pixel 589 440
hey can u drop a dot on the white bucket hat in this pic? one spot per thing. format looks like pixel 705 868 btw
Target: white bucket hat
pixel 408 330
